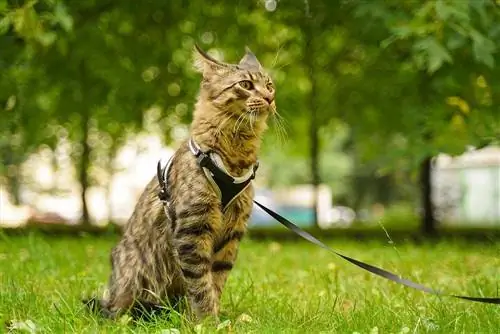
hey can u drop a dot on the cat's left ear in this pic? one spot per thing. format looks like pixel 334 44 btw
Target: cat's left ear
pixel 249 61
pixel 206 64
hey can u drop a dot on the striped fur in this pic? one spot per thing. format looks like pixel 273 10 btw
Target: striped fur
pixel 161 258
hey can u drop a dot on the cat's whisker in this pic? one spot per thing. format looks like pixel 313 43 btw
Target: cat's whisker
pixel 283 66
pixel 275 61
pixel 238 122
pixel 278 115
pixel 280 125
pixel 251 121
pixel 280 118
pixel 280 132
pixel 218 131
pixel 244 119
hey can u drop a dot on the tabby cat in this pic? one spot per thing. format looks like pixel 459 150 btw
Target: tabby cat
pixel 190 251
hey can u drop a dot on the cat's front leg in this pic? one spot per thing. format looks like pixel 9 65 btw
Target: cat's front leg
pixel 194 241
pixel 225 254
pixel 226 249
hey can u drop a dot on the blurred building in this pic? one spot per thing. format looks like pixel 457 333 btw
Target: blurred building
pixel 467 187
pixel 134 166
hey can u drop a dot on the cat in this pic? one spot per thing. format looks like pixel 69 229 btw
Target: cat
pixel 189 250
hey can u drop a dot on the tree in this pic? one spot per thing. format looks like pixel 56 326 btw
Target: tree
pixel 136 61
pixel 447 48
pixel 22 32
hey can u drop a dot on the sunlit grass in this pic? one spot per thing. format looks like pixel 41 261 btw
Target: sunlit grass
pixel 292 287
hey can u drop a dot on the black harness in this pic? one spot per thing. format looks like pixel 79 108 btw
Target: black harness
pixel 225 185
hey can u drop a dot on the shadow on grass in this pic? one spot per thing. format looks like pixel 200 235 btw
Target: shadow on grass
pixel 279 233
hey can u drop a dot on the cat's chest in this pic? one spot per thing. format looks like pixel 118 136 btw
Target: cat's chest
pixel 237 214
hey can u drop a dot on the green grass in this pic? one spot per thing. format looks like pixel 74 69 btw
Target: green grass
pixel 293 287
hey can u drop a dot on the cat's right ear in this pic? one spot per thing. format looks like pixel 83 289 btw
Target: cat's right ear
pixel 205 64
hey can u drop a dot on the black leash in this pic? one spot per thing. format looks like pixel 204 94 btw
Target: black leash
pixel 368 267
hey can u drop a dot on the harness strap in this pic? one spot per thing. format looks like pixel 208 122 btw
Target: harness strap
pixel 227 186
pixel 164 194
pixel 203 159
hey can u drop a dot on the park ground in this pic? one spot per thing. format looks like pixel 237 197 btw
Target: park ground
pixel 276 287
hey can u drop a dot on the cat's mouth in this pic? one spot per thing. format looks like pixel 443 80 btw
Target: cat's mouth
pixel 255 116
pixel 260 109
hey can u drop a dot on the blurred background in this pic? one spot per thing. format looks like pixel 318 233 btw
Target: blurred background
pixel 390 109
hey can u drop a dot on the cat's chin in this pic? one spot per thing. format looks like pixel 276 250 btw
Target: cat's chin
pixel 257 117
pixel 258 113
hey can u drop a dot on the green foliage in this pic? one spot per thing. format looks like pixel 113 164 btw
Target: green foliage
pixel 440 52
pixel 408 79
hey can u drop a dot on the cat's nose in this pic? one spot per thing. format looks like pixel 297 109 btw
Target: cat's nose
pixel 269 98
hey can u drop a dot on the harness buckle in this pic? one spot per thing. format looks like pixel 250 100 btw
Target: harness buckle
pixel 163 195
pixel 255 167
pixel 202 159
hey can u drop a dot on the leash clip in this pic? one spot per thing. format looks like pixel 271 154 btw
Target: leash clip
pixel 162 194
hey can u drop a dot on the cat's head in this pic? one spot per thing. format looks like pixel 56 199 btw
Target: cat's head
pixel 243 88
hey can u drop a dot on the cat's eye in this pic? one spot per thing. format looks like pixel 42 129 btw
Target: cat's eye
pixel 246 84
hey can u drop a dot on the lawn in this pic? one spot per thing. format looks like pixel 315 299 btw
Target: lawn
pixel 292 287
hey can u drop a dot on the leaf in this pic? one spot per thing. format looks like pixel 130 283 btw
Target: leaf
pixel 451 10
pixel 455 41
pixel 388 41
pixel 198 328
pixel 442 10
pixel 404 31
pixel 244 318
pixel 436 53
pixel 26 326
pixel 224 324
pixel 47 38
pixel 483 49
pixel 481 8
pixel 4 24
pixel 62 16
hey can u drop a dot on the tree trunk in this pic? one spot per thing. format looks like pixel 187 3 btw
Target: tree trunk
pixel 428 219
pixel 313 124
pixel 314 150
pixel 84 166
pixel 13 175
pixel 109 202
pixel 15 185
pixel 110 169
pixel 384 189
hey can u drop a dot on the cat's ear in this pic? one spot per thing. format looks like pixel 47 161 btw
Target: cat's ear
pixel 249 61
pixel 205 64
